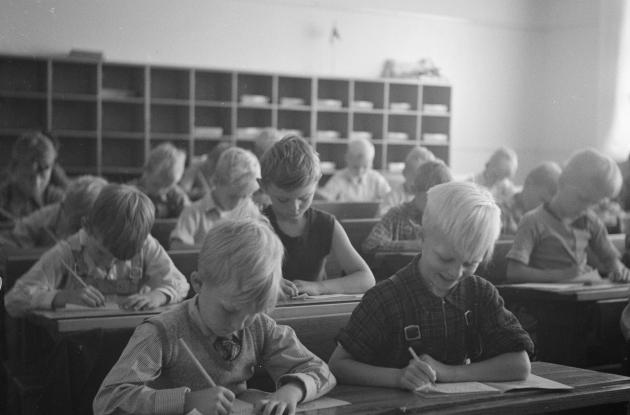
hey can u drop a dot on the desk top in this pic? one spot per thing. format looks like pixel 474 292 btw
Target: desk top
pixel 72 320
pixel 566 292
pixel 590 388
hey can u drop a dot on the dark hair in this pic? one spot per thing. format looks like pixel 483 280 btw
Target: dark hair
pixel 290 163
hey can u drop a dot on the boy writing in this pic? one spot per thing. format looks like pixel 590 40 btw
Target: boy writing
pixel 498 173
pixel 112 255
pixel 358 182
pixel 400 228
pixel 232 184
pixel 225 326
pixel 455 321
pixel 552 240
pixel 290 173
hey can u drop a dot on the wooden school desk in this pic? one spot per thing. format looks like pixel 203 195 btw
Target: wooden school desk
pixel 348 210
pixel 577 326
pixel 590 390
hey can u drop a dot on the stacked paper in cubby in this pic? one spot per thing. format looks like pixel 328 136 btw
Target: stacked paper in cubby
pixel 400 106
pixel 435 137
pixel 361 134
pixel 329 103
pixel 435 108
pixel 364 105
pixel 251 99
pixel 208 132
pixel 397 135
pixel 291 102
pixel 249 132
pixel 327 135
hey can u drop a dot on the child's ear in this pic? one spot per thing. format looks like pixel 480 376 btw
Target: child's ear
pixel 195 281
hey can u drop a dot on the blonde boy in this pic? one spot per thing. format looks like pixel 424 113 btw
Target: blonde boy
pixel 358 182
pixel 540 185
pixel 57 221
pixel 551 242
pixel 290 173
pixel 403 192
pixel 164 169
pixel 114 256
pixel 232 184
pixel 438 307
pixel 401 227
pixel 226 328
pixel 498 173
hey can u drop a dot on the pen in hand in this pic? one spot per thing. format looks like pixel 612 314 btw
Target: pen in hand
pixel 417 359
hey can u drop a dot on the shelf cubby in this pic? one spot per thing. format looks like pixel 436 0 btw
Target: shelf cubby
pixel 170 119
pixel 74 78
pixel 22 113
pixel 122 82
pixel 332 121
pixel 84 155
pixel 74 115
pixel 403 95
pixel 369 92
pixel 213 86
pixel 292 88
pixel 123 117
pixel 122 153
pixel 170 84
pixel 23 75
pixel 371 123
pixel 254 85
pixel 212 116
pixel 295 120
pixel 333 89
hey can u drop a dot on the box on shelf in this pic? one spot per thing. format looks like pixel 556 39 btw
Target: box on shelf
pixel 291 102
pixel 435 108
pixel 249 132
pixel 363 105
pixel 208 132
pixel 361 134
pixel 289 131
pixel 250 99
pixel 400 106
pixel 327 135
pixel 397 135
pixel 434 137
pixel 327 167
pixel 118 93
pixel 329 103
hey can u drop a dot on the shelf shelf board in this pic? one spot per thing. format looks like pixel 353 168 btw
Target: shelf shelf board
pixel 170 101
pixel 75 133
pixel 333 110
pixel 332 141
pixel 218 104
pixel 408 142
pixel 62 96
pixel 123 100
pixel 222 138
pixel 375 111
pixel 22 94
pixel 132 135
pixel 405 113
pixel 169 136
pixel 303 108
pixel 255 106
pixel 435 114
pixel 435 143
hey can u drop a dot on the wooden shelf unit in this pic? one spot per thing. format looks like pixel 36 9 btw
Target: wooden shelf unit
pixel 108 115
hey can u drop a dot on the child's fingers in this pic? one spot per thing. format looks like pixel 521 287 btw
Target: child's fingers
pixel 145 290
pixel 425 368
pixel 96 294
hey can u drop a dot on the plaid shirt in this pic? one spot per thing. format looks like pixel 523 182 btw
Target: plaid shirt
pixel 401 223
pixel 512 212
pixel 471 322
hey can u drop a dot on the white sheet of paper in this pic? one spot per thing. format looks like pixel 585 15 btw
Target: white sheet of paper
pixel 321 403
pixel 532 382
pixel 107 306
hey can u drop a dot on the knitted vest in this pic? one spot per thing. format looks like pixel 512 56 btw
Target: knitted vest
pixel 179 370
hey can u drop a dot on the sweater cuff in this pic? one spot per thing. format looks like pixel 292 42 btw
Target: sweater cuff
pixel 170 401
pixel 45 299
pixel 307 382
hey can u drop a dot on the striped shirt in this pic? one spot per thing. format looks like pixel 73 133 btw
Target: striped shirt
pixel 401 223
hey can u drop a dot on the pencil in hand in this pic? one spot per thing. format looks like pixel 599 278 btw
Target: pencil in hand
pixel 417 359
pixel 203 372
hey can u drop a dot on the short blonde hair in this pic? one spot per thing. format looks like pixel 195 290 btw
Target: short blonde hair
pixel 209 166
pixel 248 253
pixel 80 197
pixel 164 161
pixel 419 155
pixel 467 215
pixel 594 172
pixel 236 167
pixel 430 174
pixel 544 176
pixel 32 147
pixel 360 145
pixel 291 163
pixel 504 153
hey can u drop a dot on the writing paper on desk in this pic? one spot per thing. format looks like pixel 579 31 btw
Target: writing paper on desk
pixel 240 407
pixel 305 296
pixel 567 287
pixel 458 388
pixel 107 306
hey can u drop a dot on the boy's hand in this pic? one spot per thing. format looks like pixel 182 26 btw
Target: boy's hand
pixel 288 288
pixel 441 370
pixel 89 296
pixel 417 373
pixel 145 299
pixel 212 401
pixel 621 274
pixel 281 402
pixel 308 287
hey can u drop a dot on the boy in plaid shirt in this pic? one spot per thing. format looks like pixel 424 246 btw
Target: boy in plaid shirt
pixel 455 321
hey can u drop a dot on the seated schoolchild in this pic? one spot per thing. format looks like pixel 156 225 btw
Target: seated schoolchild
pixel 113 255
pixel 194 180
pixel 401 227
pixel 164 169
pixel 552 240
pixel 540 185
pixel 455 321
pixel 232 184
pixel 290 173
pixel 27 187
pixel 48 225
pixel 498 174
pixel 358 182
pixel 403 192
pixel 228 332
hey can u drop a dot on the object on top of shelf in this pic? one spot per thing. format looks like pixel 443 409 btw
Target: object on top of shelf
pixel 327 167
pixel 397 135
pixel 435 108
pixel 208 132
pixel 396 167
pixel 329 103
pixel 291 102
pixel 250 99
pixel 361 134
pixel 364 105
pixel 249 132
pixel 93 55
pixel 422 68
pixel 400 106
pixel 327 134
pixel 433 137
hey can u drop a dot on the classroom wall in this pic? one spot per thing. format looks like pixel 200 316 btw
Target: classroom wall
pixel 519 68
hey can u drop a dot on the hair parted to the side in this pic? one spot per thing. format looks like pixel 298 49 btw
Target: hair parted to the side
pixel 467 215
pixel 594 172
pixel 166 162
pixel 544 176
pixel 209 166
pixel 419 155
pixel 248 254
pixel 32 147
pixel 291 163
pixel 236 167
pixel 80 197
pixel 429 174
pixel 122 217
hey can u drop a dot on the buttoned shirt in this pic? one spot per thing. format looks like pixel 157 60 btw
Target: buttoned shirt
pixel 401 223
pixel 344 187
